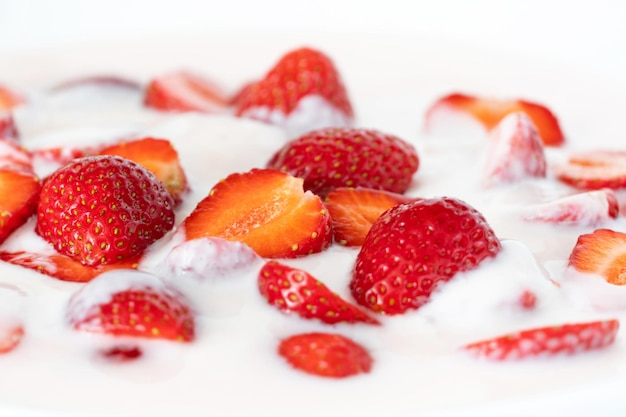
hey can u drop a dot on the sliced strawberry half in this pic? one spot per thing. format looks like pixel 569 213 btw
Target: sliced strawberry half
pixel 266 209
pixel 590 208
pixel 131 303
pixel 159 157
pixel 325 354
pixel 592 170
pixel 602 252
pixel 19 194
pixel 296 291
pixel 63 267
pixel 565 339
pixel 184 91
pixel 354 210
pixel 515 151
pixel 490 112
pixel 9 99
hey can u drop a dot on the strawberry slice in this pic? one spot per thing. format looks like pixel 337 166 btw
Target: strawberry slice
pixel 183 91
pixel 565 339
pixel 325 354
pixel 602 252
pixel 354 210
pixel 515 151
pixel 19 194
pixel 9 99
pixel 63 267
pixel 592 170
pixel 490 112
pixel 8 129
pixel 159 157
pixel 296 291
pixel 131 303
pixel 590 208
pixel 266 209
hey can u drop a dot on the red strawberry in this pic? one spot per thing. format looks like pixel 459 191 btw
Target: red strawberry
pixel 63 267
pixel 602 252
pixel 8 129
pixel 415 247
pixel 121 353
pixel 19 193
pixel 354 210
pixel 184 91
pixel 528 300
pixel 266 209
pixel 302 74
pixel 296 291
pixel 9 99
pixel 554 340
pixel 103 209
pixel 590 208
pixel 325 354
pixel 131 303
pixel 347 157
pixel 10 336
pixel 592 170
pixel 159 157
pixel 515 151
pixel 491 111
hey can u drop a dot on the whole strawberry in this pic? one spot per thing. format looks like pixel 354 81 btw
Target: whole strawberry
pixel 414 247
pixel 103 209
pixel 348 157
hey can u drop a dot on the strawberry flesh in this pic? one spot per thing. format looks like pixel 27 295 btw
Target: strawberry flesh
pixel 266 209
pixel 326 355
pixel 593 170
pixel 8 129
pixel 9 99
pixel 183 91
pixel 10 336
pixel 19 192
pixel 590 208
pixel 293 290
pixel 601 252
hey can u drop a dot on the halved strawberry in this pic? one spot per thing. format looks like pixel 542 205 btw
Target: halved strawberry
pixel 159 157
pixel 602 252
pixel 592 170
pixel 266 209
pixel 491 111
pixel 590 208
pixel 296 291
pixel 10 336
pixel 19 194
pixel 565 339
pixel 63 267
pixel 185 91
pixel 354 210
pixel 9 98
pixel 515 151
pixel 325 354
pixel 302 92
pixel 131 303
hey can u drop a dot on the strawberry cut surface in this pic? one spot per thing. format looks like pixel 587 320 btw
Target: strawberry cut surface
pixel 293 290
pixel 266 209
pixel 593 170
pixel 601 252
pixel 19 192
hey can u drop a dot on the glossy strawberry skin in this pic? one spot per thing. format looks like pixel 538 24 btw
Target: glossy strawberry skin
pixel 415 247
pixel 348 157
pixel 326 355
pixel 295 291
pixel 103 209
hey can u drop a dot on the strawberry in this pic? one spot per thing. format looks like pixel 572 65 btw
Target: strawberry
pixel 296 291
pixel 8 129
pixel 15 158
pixel 159 157
pixel 19 192
pixel 103 209
pixel 131 303
pixel 491 111
pixel 10 336
pixel 63 267
pixel 325 354
pixel 515 151
pixel 415 247
pixel 354 210
pixel 184 91
pixel 592 170
pixel 548 341
pixel 121 353
pixel 106 81
pixel 348 157
pixel 266 209
pixel 302 92
pixel 602 252
pixel 64 154
pixel 590 208
pixel 9 99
